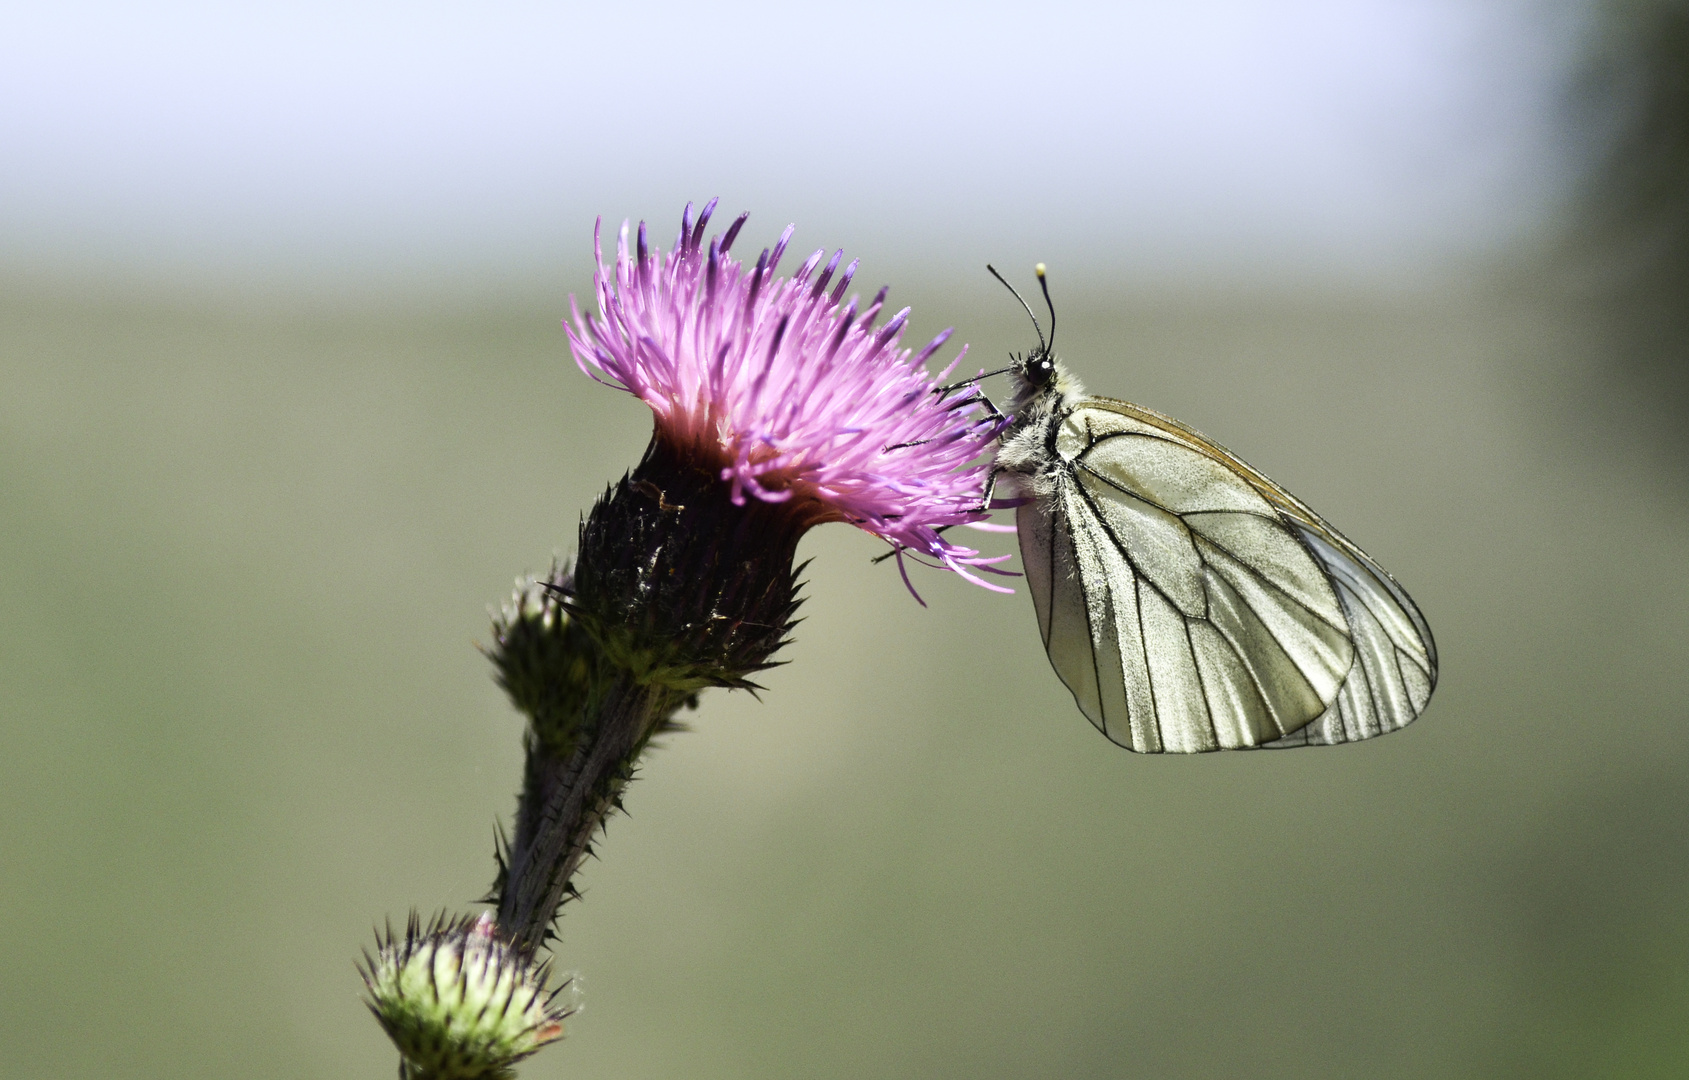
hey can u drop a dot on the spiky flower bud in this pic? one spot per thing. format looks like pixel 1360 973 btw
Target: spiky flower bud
pixel 545 660
pixel 458 1001
pixel 680 586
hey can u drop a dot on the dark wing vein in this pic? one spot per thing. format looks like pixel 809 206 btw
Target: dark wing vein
pixel 1201 684
pixel 1091 636
pixel 1125 552
pixel 1253 571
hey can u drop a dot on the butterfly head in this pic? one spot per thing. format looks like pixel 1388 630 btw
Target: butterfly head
pixel 1038 369
pixel 1042 384
pixel 1041 381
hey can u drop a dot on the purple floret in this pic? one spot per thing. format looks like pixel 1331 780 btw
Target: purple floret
pixel 793 397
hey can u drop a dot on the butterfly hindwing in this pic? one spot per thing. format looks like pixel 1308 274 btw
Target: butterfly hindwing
pixel 1395 660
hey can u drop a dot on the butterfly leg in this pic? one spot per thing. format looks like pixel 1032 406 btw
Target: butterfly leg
pixel 992 411
pixel 984 505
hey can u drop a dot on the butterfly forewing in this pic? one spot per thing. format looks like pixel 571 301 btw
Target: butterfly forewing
pixel 1191 604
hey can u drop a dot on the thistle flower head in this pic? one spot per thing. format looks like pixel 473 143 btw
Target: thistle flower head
pixel 459 1002
pixel 787 391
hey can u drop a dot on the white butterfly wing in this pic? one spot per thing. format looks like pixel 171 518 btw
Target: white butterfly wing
pixel 1191 604
pixel 1395 659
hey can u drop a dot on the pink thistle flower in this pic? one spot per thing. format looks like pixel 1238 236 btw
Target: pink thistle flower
pixel 789 396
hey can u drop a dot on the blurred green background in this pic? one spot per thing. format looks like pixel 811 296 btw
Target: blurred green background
pixel 256 500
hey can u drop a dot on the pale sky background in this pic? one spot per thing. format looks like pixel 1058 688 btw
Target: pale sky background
pixel 1231 138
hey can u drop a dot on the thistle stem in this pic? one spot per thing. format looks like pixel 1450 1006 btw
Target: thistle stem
pixel 565 801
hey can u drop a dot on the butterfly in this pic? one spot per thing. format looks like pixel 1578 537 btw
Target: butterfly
pixel 1187 601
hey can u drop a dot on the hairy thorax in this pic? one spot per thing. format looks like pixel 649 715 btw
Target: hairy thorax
pixel 1026 455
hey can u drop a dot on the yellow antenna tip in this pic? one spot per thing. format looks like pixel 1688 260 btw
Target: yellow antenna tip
pixel 1039 269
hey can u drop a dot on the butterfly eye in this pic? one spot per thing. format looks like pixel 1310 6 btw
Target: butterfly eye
pixel 1040 370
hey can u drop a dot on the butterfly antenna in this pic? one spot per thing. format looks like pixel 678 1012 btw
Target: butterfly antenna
pixel 1040 330
pixel 1045 285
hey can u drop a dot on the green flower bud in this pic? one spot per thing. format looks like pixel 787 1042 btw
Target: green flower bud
pixel 459 1002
